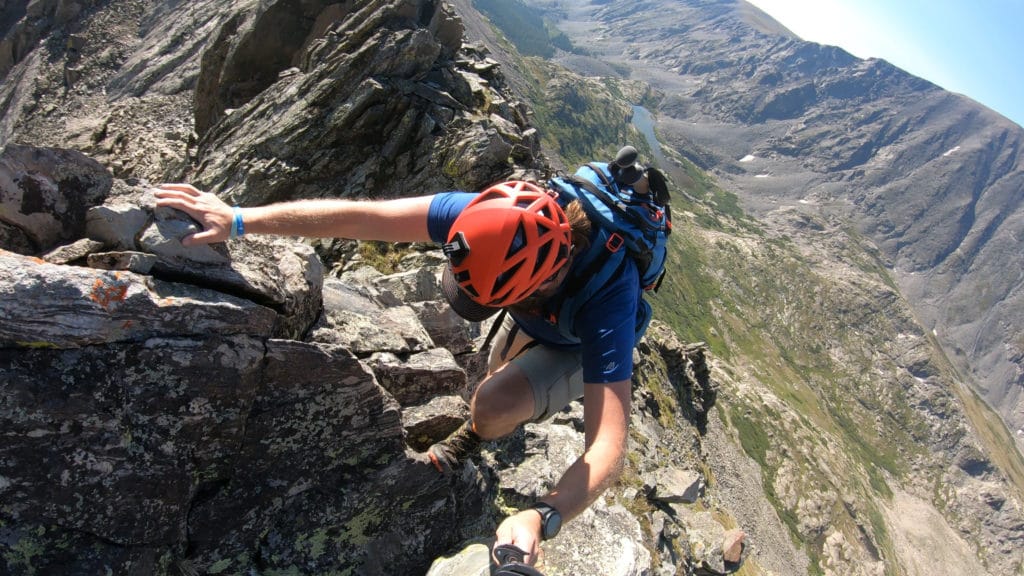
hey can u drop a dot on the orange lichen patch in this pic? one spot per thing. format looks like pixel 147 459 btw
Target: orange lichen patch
pixel 107 295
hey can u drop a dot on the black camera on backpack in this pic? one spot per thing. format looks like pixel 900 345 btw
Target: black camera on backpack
pixel 626 171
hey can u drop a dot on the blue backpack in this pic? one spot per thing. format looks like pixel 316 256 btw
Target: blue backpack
pixel 625 224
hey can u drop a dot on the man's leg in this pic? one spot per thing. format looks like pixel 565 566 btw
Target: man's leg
pixel 465 440
pixel 525 383
pixel 504 398
pixel 502 402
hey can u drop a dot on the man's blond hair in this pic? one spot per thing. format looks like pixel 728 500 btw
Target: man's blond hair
pixel 580 224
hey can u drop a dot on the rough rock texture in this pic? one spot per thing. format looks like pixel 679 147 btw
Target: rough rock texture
pixel 157 422
pixel 48 210
pixel 229 409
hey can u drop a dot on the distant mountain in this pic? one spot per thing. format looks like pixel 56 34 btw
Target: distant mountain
pixel 934 179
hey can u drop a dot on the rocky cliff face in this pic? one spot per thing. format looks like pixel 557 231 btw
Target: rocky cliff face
pixel 161 417
pixel 934 179
pixel 240 408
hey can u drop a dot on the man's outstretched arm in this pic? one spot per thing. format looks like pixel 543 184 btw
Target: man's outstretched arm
pixel 400 220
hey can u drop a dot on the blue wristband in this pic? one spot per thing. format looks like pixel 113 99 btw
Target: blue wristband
pixel 237 225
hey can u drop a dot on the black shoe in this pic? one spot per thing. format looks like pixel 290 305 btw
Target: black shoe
pixel 455 449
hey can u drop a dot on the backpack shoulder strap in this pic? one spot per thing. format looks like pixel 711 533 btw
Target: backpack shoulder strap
pixel 493 331
pixel 604 177
pixel 582 287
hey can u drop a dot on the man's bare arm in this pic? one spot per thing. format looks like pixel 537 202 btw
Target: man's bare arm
pixel 400 220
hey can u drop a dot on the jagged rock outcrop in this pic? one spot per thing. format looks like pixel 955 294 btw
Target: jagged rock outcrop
pixel 158 421
pixel 169 418
pixel 229 408
pixel 293 99
pixel 38 214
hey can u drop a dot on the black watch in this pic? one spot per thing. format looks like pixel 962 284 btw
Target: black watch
pixel 550 520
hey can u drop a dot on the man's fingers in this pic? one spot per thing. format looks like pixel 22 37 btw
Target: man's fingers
pixel 180 196
pixel 172 202
pixel 186 188
pixel 205 237
pixel 501 540
pixel 209 211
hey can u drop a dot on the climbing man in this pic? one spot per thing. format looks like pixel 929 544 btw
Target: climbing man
pixel 513 246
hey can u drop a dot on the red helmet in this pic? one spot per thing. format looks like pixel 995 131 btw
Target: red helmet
pixel 507 242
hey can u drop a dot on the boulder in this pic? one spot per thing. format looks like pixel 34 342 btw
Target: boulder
pixel 46 192
pixel 54 306
pixel 352 318
pixel 421 376
pixel 280 274
pixel 672 485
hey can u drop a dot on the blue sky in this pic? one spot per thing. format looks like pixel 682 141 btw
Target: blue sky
pixel 972 47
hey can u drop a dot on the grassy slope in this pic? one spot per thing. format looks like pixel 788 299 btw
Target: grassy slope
pixel 821 395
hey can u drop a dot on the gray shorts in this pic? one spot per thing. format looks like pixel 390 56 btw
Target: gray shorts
pixel 555 375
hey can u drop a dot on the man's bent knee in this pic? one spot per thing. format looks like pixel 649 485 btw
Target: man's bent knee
pixel 502 402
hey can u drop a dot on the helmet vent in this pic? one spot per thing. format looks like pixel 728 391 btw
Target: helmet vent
pixel 504 277
pixel 472 291
pixel 542 257
pixel 490 195
pixel 518 241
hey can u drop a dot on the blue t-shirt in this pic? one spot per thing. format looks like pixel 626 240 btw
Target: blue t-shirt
pixel 604 329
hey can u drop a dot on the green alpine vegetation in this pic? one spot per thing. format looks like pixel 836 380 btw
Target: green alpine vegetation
pixel 525 27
